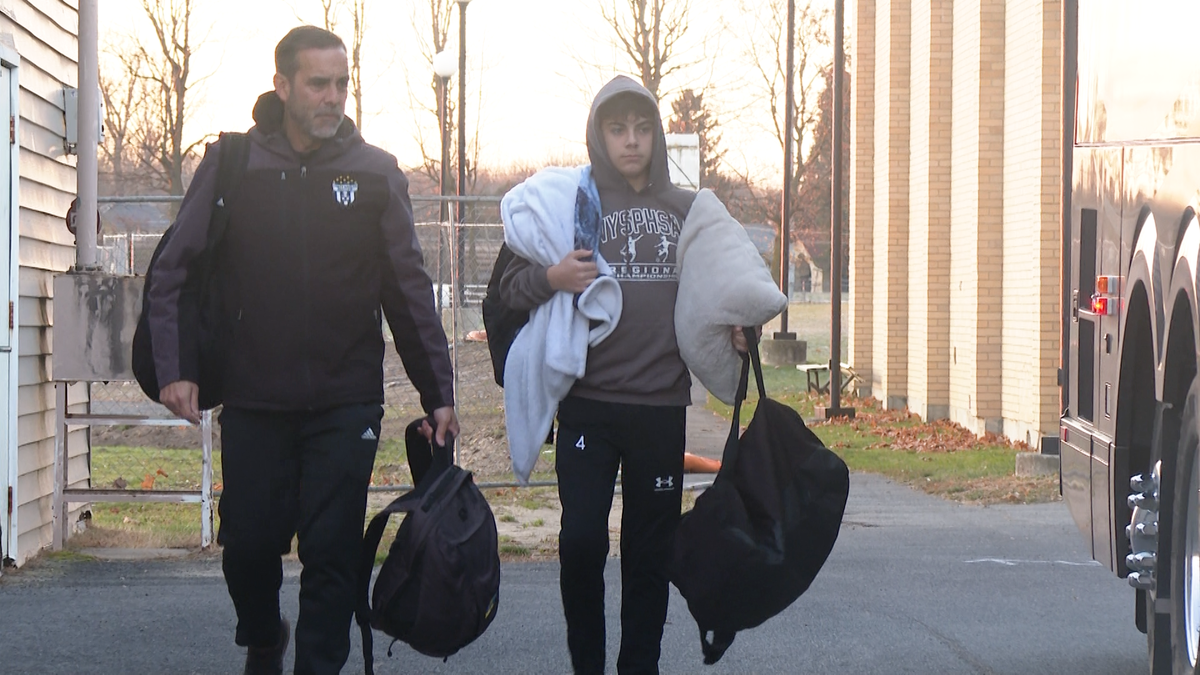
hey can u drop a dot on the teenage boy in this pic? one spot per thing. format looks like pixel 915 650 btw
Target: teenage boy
pixel 628 410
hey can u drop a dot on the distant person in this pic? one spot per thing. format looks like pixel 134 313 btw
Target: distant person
pixel 320 238
pixel 628 410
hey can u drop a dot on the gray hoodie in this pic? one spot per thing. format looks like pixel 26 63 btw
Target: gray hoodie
pixel 639 362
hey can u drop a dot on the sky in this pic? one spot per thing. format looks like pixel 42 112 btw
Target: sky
pixel 533 66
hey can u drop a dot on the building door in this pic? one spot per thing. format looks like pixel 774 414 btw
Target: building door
pixel 8 319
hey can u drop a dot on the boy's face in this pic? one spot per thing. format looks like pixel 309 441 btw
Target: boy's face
pixel 630 145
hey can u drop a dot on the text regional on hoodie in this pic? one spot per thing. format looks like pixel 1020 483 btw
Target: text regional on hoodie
pixel 647 238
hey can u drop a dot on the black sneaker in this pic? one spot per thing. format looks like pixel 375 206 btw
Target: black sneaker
pixel 269 660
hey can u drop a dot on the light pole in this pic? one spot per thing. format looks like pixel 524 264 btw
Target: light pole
pixel 460 243
pixel 835 408
pixel 444 65
pixel 789 112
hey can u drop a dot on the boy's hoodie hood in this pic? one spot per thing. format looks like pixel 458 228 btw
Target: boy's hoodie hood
pixel 606 175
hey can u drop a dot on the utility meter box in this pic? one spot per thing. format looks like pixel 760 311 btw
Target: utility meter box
pixel 71 110
pixel 683 160
pixel 95 316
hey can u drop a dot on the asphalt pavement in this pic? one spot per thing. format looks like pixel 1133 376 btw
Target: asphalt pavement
pixel 915 584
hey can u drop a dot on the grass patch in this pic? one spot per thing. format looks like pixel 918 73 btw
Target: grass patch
pixel 530 499
pixel 510 549
pixel 939 457
pixel 154 525
pixel 391 464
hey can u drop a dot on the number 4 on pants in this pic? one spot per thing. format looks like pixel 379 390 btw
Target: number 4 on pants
pixel 580 444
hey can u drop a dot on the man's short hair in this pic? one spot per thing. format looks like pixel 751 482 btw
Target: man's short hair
pixel 618 107
pixel 297 40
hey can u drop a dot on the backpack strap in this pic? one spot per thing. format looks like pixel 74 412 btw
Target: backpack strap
pixel 362 613
pixel 231 166
pixel 428 493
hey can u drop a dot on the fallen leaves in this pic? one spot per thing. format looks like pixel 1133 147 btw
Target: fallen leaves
pixel 148 481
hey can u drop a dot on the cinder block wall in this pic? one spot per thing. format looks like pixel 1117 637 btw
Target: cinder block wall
pixel 929 224
pixel 893 30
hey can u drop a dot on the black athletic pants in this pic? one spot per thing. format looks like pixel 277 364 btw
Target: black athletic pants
pixel 646 442
pixel 305 474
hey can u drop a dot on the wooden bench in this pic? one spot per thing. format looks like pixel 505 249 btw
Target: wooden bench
pixel 813 372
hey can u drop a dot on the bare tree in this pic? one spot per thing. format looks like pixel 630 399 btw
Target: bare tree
pixel 813 60
pixel 166 68
pixel 649 33
pixel 431 22
pixel 358 18
pixel 126 101
pixel 766 53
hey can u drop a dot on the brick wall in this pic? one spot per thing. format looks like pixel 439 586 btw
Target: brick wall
pixel 977 168
pixel 893 28
pixel 955 181
pixel 1032 154
pixel 861 28
pixel 929 224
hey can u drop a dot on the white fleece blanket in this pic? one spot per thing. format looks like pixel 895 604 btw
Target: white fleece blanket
pixel 550 352
pixel 723 282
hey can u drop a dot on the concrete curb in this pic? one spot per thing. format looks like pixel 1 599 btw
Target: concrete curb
pixel 1036 464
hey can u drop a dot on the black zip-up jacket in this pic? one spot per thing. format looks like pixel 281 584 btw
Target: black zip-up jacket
pixel 316 245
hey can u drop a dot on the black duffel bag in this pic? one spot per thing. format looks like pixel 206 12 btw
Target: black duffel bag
pixel 756 539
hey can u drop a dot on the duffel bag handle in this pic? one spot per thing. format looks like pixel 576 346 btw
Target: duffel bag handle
pixel 731 443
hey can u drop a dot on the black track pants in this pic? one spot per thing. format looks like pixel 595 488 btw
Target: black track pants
pixel 302 474
pixel 594 439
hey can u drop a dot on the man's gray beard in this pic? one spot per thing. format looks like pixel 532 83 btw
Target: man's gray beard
pixel 323 134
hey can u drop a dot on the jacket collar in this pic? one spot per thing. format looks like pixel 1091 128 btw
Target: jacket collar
pixel 268 132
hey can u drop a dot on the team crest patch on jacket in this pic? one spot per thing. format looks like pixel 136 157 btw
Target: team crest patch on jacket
pixel 345 189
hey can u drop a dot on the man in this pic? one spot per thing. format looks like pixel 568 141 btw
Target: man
pixel 320 237
pixel 628 410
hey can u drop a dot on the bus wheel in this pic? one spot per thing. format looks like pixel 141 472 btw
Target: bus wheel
pixel 1185 537
pixel 1150 537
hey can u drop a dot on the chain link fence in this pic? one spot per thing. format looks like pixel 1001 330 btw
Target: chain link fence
pixel 460 238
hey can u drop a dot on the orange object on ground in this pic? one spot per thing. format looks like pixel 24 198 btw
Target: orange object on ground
pixel 697 464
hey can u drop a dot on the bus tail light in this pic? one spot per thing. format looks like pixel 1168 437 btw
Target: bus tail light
pixel 1104 305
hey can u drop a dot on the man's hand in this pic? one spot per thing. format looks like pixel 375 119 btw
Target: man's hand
pixel 183 399
pixel 573 274
pixel 446 421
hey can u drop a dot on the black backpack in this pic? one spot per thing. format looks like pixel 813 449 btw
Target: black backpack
pixel 500 321
pixel 200 335
pixel 756 539
pixel 439 587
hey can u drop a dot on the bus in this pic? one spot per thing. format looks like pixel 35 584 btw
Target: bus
pixel 1130 423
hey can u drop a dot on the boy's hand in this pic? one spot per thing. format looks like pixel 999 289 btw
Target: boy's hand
pixel 738 338
pixel 573 274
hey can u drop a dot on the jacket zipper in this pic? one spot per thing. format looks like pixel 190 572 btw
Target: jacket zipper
pixel 306 293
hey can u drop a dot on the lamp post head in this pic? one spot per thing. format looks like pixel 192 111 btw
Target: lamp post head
pixel 445 64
